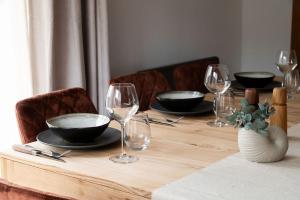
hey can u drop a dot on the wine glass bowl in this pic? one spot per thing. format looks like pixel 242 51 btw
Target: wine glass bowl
pixel 217 81
pixel 286 61
pixel 217 78
pixel 122 103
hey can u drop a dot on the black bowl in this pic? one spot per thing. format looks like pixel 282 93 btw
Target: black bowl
pixel 254 79
pixel 78 127
pixel 179 100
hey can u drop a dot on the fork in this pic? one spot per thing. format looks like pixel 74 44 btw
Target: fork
pixel 49 152
pixel 155 121
pixel 174 121
pixel 168 121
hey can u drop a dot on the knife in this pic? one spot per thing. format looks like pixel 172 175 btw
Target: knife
pixel 49 153
pixel 34 152
pixel 151 120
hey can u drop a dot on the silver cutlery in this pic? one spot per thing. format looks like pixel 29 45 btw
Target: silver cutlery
pixel 35 152
pixel 49 152
pixel 174 121
pixel 154 121
pixel 167 121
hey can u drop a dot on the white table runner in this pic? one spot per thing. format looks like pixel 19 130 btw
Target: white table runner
pixel 235 178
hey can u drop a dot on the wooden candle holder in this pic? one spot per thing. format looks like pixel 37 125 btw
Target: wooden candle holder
pixel 252 96
pixel 279 118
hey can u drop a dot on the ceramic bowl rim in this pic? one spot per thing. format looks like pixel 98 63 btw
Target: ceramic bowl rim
pixel 240 74
pixel 159 98
pixel 50 121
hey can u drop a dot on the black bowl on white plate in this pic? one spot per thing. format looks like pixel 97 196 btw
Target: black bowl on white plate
pixel 78 127
pixel 179 100
pixel 254 79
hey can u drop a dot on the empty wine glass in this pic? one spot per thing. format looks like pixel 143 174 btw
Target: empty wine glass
pixel 286 61
pixel 217 81
pixel 226 106
pixel 122 103
pixel 138 132
pixel 291 82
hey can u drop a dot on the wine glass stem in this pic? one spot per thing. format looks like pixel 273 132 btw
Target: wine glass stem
pixel 284 79
pixel 217 106
pixel 122 137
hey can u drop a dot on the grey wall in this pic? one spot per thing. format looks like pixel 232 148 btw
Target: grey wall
pixel 145 34
pixel 266 28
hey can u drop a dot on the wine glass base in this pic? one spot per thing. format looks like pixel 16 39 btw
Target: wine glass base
pixel 290 96
pixel 124 159
pixel 216 124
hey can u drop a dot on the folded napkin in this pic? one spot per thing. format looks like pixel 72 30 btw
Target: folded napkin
pixel 235 178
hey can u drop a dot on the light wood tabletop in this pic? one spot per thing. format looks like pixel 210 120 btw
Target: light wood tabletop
pixel 174 152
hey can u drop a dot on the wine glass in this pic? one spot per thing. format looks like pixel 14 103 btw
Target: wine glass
pixel 138 132
pixel 122 103
pixel 217 81
pixel 286 61
pixel 291 82
pixel 226 106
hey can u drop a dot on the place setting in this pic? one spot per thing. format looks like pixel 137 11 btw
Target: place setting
pixel 182 103
pixel 192 103
pixel 79 131
pixel 85 131
pixel 75 131
pixel 262 81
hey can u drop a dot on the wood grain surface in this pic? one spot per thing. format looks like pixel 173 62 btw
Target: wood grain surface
pixel 279 99
pixel 174 153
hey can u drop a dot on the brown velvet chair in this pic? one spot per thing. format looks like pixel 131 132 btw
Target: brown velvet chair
pixel 190 76
pixel 9 191
pixel 147 84
pixel 32 113
pixel 168 71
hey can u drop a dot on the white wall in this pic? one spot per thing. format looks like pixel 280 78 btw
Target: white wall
pixel 145 34
pixel 244 34
pixel 266 28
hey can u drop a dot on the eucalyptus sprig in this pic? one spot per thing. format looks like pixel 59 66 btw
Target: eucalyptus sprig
pixel 250 117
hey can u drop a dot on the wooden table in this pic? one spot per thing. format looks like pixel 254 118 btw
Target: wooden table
pixel 175 152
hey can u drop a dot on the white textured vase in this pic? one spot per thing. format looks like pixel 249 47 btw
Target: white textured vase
pixel 258 148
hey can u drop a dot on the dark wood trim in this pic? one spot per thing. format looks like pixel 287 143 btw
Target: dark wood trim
pixel 295 38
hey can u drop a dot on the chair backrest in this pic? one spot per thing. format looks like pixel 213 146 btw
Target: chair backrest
pixel 147 84
pixel 190 76
pixel 168 70
pixel 9 191
pixel 32 112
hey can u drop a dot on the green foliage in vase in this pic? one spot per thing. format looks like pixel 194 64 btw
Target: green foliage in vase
pixel 251 118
